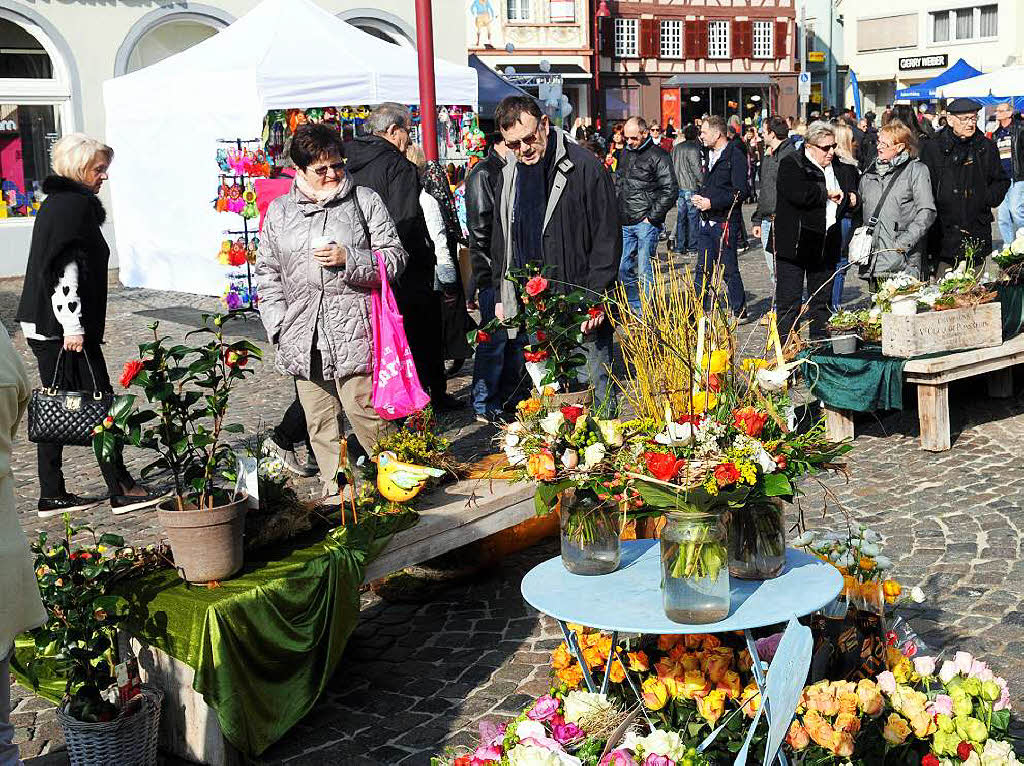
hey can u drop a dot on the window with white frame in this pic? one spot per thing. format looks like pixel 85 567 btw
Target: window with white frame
pixel 718 39
pixel 764 40
pixel 672 39
pixel 627 34
pixel 979 22
pixel 518 10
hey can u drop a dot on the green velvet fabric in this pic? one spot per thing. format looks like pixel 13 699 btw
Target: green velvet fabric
pixel 264 643
pixel 861 382
pixel 1012 311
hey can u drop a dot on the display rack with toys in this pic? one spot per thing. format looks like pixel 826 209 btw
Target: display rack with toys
pixel 241 161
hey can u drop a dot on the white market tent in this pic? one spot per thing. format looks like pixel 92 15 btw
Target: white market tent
pixel 164 122
pixel 1006 83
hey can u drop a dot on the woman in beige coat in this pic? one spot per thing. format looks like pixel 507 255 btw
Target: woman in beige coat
pixel 20 606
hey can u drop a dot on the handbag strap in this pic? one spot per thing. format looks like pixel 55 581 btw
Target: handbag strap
pixel 362 217
pixel 56 369
pixel 873 221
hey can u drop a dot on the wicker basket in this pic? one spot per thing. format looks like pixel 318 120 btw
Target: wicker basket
pixel 127 741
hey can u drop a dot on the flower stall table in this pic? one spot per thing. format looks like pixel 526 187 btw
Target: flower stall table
pixel 628 600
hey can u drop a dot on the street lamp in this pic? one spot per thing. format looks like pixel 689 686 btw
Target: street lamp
pixel 600 12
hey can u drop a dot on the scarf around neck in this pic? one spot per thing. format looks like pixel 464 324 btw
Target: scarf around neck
pixel 323 196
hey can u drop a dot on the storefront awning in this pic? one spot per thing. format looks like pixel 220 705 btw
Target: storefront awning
pixel 925 91
pixel 698 79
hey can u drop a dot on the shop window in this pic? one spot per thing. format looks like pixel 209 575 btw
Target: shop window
pixel 562 11
pixel 518 10
pixel 972 23
pixel 672 39
pixel 621 103
pixel 764 41
pixel 718 39
pixel 627 37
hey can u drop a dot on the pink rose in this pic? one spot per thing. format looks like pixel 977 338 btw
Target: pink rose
pixel 887 682
pixel 925 666
pixel 1004 699
pixel 943 705
pixel 658 760
pixel 565 732
pixel 977 669
pixel 948 671
pixel 486 754
pixel 618 758
pixel 543 709
pixel 963 662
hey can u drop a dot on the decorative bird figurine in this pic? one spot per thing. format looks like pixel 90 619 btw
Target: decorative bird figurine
pixel 401 482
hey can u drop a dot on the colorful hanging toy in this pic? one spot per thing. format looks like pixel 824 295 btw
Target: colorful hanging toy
pixel 222 160
pixel 475 143
pixel 253 251
pixel 235 202
pixel 222 201
pixel 223 257
pixel 249 197
pixel 237 255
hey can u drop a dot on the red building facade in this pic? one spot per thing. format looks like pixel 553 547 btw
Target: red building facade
pixel 682 59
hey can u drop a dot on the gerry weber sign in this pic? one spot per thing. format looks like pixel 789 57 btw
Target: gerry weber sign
pixel 924 62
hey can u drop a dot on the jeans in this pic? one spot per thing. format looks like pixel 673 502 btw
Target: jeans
pixel 639 246
pixel 687 222
pixel 712 253
pixel 499 378
pixel 74 376
pixel 600 352
pixel 846 225
pixel 769 258
pixel 789 293
pixel 1010 214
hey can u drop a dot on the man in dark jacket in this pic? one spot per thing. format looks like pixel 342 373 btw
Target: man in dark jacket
pixel 867 151
pixel 1009 138
pixel 378 161
pixel 687 163
pixel 556 208
pixel 646 188
pixel 498 365
pixel 719 199
pixel 778 140
pixel 967 181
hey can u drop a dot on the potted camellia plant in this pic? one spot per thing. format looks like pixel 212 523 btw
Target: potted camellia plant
pixel 187 388
pixel 842 326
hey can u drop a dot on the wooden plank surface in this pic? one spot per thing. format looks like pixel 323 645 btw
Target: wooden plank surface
pixel 838 424
pixel 933 415
pixel 1010 352
pixel 951 330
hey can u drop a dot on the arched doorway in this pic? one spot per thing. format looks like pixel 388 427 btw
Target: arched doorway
pixel 382 25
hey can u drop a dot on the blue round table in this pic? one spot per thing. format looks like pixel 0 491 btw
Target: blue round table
pixel 629 600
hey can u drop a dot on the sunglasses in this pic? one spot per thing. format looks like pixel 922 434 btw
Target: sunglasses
pixel 531 140
pixel 337 167
pixel 826 148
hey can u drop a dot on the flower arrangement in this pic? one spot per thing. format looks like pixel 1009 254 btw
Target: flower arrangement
pixel 844 321
pixel 79 639
pixel 870 324
pixel 1010 257
pixel 900 286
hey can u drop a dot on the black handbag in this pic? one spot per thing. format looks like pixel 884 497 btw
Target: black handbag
pixel 66 417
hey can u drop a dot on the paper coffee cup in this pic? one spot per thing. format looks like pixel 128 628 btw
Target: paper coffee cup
pixel 318 242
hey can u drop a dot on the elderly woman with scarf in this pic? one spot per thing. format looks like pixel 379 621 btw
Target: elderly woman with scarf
pixel 316 270
pixel 446 234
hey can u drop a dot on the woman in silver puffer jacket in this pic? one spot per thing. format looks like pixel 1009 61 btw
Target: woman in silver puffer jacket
pixel 315 273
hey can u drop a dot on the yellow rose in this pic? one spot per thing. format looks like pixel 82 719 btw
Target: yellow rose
pixel 529 406
pixel 797 738
pixel 717 364
pixel 694 684
pixel 655 694
pixel 848 722
pixel 821 731
pixel 752 694
pixel 560 658
pixel 870 697
pixel 843 744
pixel 712 706
pixel 896 730
pixel 923 724
pixel 731 684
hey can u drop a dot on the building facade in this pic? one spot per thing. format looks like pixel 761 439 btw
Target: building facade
pixel 537 44
pixel 825 59
pixel 892 46
pixel 680 59
pixel 54 58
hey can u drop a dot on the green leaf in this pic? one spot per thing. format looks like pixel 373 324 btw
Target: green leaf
pixel 112 540
pixel 233 428
pixel 777 485
pixel 112 605
pixel 544 497
pixel 122 407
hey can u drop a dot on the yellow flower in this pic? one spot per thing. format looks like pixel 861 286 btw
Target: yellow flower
pixel 712 706
pixel 655 694
pixel 560 658
pixel 529 406
pixel 751 365
pixel 896 730
pixel 718 363
pixel 798 738
pixel 870 697
pixel 731 684
pixel 703 401
pixel 694 684
pixel 892 590
pixel 750 693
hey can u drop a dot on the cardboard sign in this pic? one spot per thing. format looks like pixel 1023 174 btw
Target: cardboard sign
pixel 950 330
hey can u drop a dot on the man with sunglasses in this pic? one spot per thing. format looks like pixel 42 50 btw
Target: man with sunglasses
pixel 555 207
pixel 968 180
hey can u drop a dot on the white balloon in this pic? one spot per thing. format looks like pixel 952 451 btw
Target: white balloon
pixel 510 70
pixel 545 65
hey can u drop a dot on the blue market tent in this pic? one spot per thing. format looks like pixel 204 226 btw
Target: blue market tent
pixel 491 88
pixel 925 91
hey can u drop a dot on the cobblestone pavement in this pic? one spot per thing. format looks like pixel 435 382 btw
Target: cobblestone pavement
pixel 419 676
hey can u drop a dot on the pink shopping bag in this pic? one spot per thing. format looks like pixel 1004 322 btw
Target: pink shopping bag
pixel 397 392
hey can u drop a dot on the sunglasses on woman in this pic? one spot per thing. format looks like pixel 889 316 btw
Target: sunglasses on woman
pixel 337 167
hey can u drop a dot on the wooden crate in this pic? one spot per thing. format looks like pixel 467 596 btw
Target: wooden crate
pixel 950 330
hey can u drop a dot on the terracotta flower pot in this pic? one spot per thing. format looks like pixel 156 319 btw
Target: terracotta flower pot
pixel 207 544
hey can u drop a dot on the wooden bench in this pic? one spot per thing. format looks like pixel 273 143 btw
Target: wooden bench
pixel 932 377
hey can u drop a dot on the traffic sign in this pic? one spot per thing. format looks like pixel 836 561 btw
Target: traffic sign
pixel 804 86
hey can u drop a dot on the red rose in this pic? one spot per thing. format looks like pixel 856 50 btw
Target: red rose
pixel 131 370
pixel 714 383
pixel 780 461
pixel 661 466
pixel 964 750
pixel 595 312
pixel 572 414
pixel 463 760
pixel 483 337
pixel 536 286
pixel 535 356
pixel 541 336
pixel 726 474
pixel 749 421
pixel 930 760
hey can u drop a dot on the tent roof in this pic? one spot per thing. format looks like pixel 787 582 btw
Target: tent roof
pixel 925 91
pixel 492 87
pixel 301 56
pixel 990 88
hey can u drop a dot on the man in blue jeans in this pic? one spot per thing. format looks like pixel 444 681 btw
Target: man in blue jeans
pixel 645 185
pixel 687 164
pixel 1009 138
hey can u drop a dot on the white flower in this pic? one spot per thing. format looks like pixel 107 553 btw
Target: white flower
pixel 947 671
pixel 869 549
pixel 515 427
pixel 772 380
pixel 611 432
pixel 883 563
pixel 805 539
pixel 917 595
pixel 528 755
pixel 676 435
pixel 511 439
pixel 997 753
pixel 875 313
pixel 593 455
pixel 570 459
pixel 515 455
pixel 552 422
pixel 531 729
pixel 631 741
pixel 1017 247
pixel 869 535
pixel 666 743
pixel 580 703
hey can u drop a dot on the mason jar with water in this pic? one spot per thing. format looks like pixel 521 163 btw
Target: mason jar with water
pixel 695 568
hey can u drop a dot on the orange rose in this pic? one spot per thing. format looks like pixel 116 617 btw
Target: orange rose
pixel 667 642
pixel 618 673
pixel 870 697
pixel 847 703
pixel 695 685
pixel 843 744
pixel 731 684
pixel 638 662
pixel 749 421
pixel 750 693
pixel 797 738
pixel 561 658
pixel 691 662
pixel 571 676
pixel 711 642
pixel 892 590
pixel 693 641
pixel 845 722
pixel 712 706
pixel 655 694
pixel 541 466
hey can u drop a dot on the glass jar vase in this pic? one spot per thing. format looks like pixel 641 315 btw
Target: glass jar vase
pixel 757 540
pixel 589 533
pixel 694 568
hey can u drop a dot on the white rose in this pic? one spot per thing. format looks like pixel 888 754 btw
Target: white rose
pixel 527 755
pixel 515 427
pixel 611 432
pixel 917 595
pixel 552 422
pixel 666 743
pixel 579 703
pixel 570 459
pixel 593 455
pixel 765 460
pixel 631 741
pixel 869 549
pixel 528 728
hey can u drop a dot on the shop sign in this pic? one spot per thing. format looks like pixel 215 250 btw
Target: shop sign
pixel 924 62
pixel 816 57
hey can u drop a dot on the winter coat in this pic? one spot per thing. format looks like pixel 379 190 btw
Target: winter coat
pixel 480 191
pixel 376 163
pixel 686 162
pixel 582 240
pixel 21 608
pixel 967 182
pixel 1016 129
pixel 66 229
pixel 799 234
pixel 900 235
pixel 867 149
pixel 296 293
pixel 765 207
pixel 725 183
pixel 645 184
